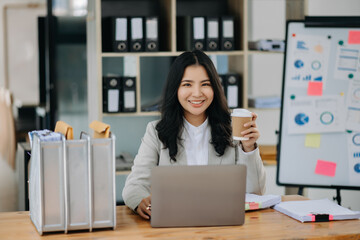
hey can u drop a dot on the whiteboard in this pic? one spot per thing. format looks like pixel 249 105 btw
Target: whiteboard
pixel 319 138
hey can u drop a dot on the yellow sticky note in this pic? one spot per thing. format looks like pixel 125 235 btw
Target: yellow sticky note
pixel 312 140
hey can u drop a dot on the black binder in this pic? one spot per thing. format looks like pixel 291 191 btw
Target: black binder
pixel 129 94
pixel 212 33
pixel 151 31
pixel 190 33
pixel 227 33
pixel 120 34
pixel 112 99
pixel 233 90
pixel 222 78
pixel 115 34
pixel 136 34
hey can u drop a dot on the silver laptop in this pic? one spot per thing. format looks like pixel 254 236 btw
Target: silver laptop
pixel 190 196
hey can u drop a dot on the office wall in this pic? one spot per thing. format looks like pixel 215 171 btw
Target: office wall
pixel 4 3
pixel 333 7
pixel 267 20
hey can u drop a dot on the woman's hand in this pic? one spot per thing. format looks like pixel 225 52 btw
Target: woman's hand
pixel 144 208
pixel 252 133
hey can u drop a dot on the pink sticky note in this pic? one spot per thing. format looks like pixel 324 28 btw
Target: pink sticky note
pixel 354 37
pixel 325 168
pixel 315 89
pixel 253 205
pixel 312 217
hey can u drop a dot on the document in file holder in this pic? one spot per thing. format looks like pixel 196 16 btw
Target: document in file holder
pixel 253 201
pixel 227 33
pixel 151 34
pixel 212 33
pixel 136 36
pixel 322 210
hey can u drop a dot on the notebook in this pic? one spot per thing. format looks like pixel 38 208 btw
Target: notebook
pixel 191 196
pixel 253 201
pixel 321 210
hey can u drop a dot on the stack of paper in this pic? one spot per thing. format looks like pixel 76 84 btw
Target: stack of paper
pixel 253 201
pixel 316 210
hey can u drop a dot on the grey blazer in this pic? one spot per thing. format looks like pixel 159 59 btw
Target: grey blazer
pixel 152 153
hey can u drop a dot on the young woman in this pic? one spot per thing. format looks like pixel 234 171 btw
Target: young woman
pixel 194 129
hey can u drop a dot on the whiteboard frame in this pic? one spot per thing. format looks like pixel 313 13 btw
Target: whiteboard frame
pixel 332 22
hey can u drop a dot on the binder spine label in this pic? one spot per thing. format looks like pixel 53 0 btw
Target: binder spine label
pixel 199 25
pixel 121 29
pixel 228 29
pixel 136 28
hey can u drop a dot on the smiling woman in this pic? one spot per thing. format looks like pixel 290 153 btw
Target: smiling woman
pixel 195 94
pixel 194 129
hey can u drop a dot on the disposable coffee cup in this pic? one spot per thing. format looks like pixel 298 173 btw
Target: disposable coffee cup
pixel 239 117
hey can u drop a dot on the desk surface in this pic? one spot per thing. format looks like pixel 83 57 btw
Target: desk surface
pixel 260 224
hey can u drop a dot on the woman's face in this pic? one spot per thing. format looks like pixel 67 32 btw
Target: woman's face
pixel 195 94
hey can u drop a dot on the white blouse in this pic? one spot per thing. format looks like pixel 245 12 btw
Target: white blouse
pixel 196 140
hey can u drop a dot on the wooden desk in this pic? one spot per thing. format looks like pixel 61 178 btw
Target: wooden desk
pixel 261 224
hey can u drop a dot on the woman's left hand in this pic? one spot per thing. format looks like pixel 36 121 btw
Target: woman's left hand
pixel 252 133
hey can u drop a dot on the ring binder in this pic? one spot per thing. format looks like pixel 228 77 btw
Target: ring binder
pixel 198 37
pixel 232 85
pixel 115 34
pixel 212 33
pixel 112 94
pixel 227 33
pixel 191 33
pixel 151 34
pixel 129 94
pixel 136 34
pixel 120 34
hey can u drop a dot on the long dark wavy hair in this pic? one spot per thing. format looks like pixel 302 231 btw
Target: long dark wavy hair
pixel 172 114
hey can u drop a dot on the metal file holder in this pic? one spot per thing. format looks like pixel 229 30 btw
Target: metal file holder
pixel 72 184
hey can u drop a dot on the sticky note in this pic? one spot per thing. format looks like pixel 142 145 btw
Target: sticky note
pixel 315 89
pixel 254 205
pixel 312 140
pixel 325 168
pixel 354 37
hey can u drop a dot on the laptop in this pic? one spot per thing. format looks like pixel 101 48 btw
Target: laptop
pixel 192 196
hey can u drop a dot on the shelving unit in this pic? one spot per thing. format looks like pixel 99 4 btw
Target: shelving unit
pixel 167 10
pixel 151 68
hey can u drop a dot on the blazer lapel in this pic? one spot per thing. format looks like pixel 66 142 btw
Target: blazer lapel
pixel 214 159
pixel 181 155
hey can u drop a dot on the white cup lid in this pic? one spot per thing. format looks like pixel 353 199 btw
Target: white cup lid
pixel 241 112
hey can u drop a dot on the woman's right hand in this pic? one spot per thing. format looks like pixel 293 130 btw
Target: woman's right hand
pixel 144 208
